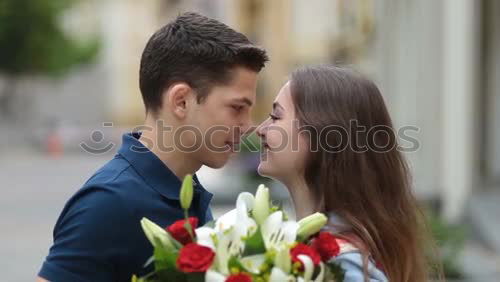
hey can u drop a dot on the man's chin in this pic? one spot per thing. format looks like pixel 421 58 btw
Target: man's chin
pixel 218 161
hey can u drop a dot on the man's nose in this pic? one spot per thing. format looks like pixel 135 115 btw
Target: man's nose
pixel 247 129
pixel 261 129
pixel 247 126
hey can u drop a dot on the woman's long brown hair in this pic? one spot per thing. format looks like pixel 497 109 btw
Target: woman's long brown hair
pixel 360 174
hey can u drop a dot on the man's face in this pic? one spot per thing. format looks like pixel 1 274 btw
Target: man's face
pixel 223 117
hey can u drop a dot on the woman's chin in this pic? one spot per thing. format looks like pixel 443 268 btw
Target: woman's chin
pixel 264 169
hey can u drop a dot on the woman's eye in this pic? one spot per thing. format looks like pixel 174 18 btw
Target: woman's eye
pixel 273 117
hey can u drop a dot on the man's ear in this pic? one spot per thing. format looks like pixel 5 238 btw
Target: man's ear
pixel 177 99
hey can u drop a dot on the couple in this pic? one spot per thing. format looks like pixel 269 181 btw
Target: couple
pixel 198 72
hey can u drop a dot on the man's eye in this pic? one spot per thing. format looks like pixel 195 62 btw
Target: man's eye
pixel 237 108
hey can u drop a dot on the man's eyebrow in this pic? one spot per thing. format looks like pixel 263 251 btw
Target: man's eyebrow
pixel 244 100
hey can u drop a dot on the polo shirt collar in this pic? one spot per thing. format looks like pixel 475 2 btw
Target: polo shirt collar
pixel 153 170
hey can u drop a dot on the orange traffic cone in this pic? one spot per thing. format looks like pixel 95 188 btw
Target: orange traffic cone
pixel 54 145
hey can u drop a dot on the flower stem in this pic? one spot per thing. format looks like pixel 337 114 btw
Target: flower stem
pixel 187 225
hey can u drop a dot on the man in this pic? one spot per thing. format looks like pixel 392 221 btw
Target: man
pixel 198 82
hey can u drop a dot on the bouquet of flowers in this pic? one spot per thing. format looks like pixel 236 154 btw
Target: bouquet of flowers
pixel 253 242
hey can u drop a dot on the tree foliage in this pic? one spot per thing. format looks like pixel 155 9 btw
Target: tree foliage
pixel 32 40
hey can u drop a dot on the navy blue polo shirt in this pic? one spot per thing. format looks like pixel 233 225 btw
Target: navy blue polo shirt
pixel 98 236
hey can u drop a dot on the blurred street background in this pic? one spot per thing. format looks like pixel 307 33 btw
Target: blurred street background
pixel 69 76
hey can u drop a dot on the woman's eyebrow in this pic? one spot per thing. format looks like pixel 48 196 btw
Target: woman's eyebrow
pixel 277 105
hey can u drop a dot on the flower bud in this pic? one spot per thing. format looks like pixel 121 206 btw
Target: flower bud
pixel 186 195
pixel 155 234
pixel 311 225
pixel 261 205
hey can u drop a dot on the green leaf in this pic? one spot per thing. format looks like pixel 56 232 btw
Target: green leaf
pixel 234 262
pixel 195 277
pixel 176 243
pixel 336 270
pixel 165 265
pixel 164 258
pixel 254 244
pixel 150 277
pixel 168 275
pixel 450 240
pixel 149 261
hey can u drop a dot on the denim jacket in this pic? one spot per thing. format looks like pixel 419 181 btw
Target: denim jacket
pixel 350 258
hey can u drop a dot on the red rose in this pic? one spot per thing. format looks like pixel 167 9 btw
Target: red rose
pixel 241 277
pixel 326 245
pixel 303 249
pixel 195 258
pixel 179 231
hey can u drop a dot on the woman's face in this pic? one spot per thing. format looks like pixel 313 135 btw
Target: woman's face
pixel 284 150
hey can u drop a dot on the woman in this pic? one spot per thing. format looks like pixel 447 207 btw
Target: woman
pixel 330 140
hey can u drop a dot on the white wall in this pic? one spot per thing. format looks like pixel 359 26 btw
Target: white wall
pixel 408 69
pixel 459 137
pixel 426 62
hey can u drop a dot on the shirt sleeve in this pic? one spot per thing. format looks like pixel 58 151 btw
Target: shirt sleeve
pixel 87 237
pixel 352 264
pixel 208 215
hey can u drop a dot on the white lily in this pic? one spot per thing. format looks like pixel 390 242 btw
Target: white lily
pixel 214 276
pixel 283 260
pixel 277 233
pixel 277 275
pixel 229 229
pixel 253 263
pixel 234 219
pixel 225 221
pixel 309 269
pixel 246 198
pixel 238 216
pixel 236 224
pixel 261 209
pixel 155 234
pixel 204 236
pixel 228 244
pixel 321 274
pixel 244 225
